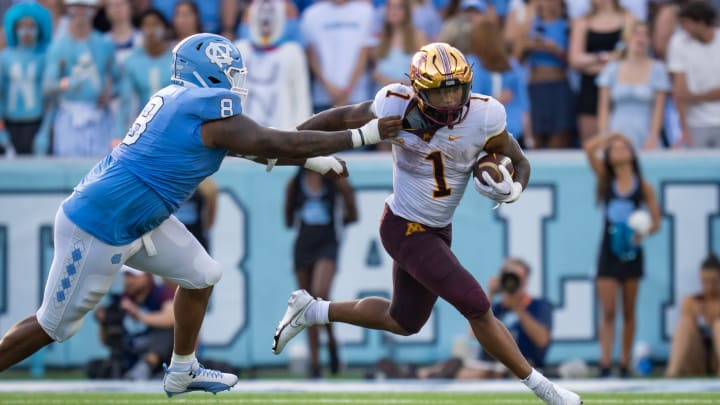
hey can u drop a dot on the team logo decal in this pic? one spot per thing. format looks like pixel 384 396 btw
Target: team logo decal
pixel 219 54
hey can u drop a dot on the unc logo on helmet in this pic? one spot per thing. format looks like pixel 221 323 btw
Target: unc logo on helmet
pixel 219 54
pixel 209 60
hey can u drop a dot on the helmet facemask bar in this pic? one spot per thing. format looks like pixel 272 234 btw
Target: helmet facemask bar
pixel 236 76
pixel 442 114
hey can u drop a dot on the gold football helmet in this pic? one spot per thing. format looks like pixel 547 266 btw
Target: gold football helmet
pixel 442 80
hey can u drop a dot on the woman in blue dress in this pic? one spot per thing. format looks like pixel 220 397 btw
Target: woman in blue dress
pixel 633 90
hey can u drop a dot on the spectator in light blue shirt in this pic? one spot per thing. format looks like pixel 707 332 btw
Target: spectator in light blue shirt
pixel 29 29
pixel 145 71
pixel 80 70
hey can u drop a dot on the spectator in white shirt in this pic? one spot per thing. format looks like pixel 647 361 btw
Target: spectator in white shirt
pixel 338 35
pixel 694 61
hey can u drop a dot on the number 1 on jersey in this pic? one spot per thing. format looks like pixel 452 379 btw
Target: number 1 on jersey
pixel 438 163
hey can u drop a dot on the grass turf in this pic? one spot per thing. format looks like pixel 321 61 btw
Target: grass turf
pixel 350 399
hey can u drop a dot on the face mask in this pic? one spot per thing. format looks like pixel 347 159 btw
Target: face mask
pixel 86 13
pixel 159 33
pixel 267 22
pixel 32 32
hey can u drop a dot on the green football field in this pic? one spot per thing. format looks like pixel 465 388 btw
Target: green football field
pixel 353 399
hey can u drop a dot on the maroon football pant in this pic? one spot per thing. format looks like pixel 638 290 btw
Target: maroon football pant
pixel 424 269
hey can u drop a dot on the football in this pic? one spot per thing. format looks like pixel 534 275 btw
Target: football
pixel 490 163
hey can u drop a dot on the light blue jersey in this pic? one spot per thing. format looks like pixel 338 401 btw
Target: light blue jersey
pixel 142 76
pixel 21 66
pixel 21 96
pixel 158 166
pixel 88 64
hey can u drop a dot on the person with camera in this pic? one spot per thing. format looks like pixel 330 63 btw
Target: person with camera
pixel 137 326
pixel 528 318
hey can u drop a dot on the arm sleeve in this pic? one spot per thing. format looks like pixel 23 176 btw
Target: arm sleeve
pixel 125 93
pixel 368 31
pixel 306 27
pixel 51 75
pixel 544 314
pixel 522 88
pixel 607 75
pixel 660 80
pixel 214 104
pixel 390 100
pixel 299 85
pixel 495 118
pixel 114 70
pixel 676 55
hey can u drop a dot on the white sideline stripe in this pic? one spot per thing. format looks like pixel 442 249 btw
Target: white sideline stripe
pixel 405 386
pixel 236 400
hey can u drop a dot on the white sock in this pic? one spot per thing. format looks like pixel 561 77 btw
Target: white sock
pixel 534 379
pixel 181 362
pixel 317 313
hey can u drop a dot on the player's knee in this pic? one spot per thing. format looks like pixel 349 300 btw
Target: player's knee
pixel 407 330
pixel 213 274
pixel 474 304
pixel 407 327
pixel 206 272
pixel 60 330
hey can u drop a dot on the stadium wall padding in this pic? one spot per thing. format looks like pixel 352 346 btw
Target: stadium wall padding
pixel 555 226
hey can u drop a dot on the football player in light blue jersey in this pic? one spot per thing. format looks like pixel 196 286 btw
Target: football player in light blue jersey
pixel 146 70
pixel 29 29
pixel 80 71
pixel 121 211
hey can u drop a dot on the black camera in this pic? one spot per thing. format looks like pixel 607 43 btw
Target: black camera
pixel 509 282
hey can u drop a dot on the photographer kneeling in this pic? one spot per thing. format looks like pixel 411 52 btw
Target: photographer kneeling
pixel 137 326
pixel 528 319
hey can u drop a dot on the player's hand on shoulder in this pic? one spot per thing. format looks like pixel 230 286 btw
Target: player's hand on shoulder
pixel 390 126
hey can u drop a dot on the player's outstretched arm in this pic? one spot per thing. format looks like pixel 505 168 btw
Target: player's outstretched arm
pixel 505 144
pixel 339 118
pixel 243 136
pixel 331 167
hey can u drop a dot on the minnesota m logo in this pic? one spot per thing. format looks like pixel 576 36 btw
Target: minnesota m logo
pixel 413 227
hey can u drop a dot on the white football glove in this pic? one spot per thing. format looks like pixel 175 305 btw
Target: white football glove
pixel 368 134
pixel 506 191
pixel 323 164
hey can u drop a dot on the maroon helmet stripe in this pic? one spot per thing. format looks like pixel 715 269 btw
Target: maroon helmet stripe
pixel 445 60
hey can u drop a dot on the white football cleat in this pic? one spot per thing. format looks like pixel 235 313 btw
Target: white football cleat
pixel 197 378
pixel 554 394
pixel 294 320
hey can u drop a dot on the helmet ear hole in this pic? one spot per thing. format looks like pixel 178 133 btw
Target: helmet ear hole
pixel 214 79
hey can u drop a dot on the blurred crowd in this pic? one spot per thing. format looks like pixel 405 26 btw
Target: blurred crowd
pixel 74 74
